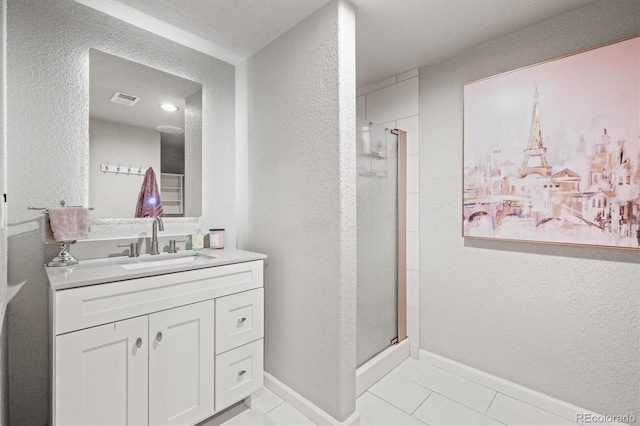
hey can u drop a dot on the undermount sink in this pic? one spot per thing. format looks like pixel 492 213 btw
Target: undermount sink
pixel 163 260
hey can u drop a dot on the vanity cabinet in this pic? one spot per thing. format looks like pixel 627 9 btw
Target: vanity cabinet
pixel 169 349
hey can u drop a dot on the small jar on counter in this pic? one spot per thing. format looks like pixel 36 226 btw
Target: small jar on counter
pixel 216 238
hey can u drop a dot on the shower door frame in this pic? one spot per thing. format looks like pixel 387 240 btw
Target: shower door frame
pixel 402 234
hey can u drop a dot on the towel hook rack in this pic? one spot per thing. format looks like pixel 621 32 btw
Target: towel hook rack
pixel 130 171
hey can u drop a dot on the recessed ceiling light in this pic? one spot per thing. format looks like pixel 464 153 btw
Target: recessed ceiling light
pixel 170 129
pixel 169 107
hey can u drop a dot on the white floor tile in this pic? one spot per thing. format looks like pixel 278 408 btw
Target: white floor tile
pixel 250 418
pixel 400 392
pixel 266 401
pixel 438 410
pixel 286 415
pixel 513 412
pixel 454 387
pixel 375 411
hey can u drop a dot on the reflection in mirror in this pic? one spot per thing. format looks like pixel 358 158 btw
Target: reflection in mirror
pixel 134 125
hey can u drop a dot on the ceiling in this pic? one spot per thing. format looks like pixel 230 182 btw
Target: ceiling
pixel 392 36
pixel 109 74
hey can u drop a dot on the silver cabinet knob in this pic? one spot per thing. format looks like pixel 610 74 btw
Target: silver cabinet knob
pixel 139 342
pixel 159 336
pixel 241 372
pixel 243 319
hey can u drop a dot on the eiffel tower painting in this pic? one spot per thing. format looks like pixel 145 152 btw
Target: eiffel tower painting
pixel 535 160
pixel 572 184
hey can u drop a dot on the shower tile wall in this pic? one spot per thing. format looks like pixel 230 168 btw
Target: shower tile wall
pixel 393 103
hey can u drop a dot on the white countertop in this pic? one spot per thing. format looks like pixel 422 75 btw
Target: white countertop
pixel 98 271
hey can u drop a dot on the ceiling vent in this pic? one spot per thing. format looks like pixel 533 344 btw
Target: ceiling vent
pixel 125 99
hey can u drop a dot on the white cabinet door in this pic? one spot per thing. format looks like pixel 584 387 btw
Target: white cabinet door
pixel 181 364
pixel 101 375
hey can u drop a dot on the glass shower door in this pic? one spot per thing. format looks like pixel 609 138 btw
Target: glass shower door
pixel 377 215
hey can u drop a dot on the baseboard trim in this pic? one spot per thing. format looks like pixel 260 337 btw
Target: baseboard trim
pixel 537 399
pixel 304 406
pixel 379 366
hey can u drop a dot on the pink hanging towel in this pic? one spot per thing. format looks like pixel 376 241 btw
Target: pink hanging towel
pixel 66 224
pixel 149 204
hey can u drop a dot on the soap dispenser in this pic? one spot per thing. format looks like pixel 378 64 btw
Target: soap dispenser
pixel 197 239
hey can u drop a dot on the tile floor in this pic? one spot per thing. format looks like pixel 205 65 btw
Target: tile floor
pixel 415 393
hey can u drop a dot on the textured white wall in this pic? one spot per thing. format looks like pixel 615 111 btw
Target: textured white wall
pixel 242 155
pixel 561 320
pixel 116 195
pixel 48 155
pixel 302 201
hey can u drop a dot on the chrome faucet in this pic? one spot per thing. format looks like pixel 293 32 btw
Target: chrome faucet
pixel 157 224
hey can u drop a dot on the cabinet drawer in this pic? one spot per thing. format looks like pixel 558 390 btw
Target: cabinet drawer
pixel 239 372
pixel 93 305
pixel 239 319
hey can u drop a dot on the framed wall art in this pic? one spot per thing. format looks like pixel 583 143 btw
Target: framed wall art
pixel 552 151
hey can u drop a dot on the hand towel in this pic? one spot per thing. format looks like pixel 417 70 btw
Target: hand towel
pixel 66 224
pixel 149 204
pixel 48 233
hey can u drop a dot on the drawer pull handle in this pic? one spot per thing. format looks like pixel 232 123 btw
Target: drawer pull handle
pixel 243 319
pixel 241 372
pixel 139 342
pixel 159 336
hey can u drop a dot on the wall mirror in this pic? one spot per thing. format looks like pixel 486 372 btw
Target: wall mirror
pixel 140 117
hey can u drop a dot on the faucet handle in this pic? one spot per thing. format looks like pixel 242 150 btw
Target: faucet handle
pixel 133 249
pixel 172 245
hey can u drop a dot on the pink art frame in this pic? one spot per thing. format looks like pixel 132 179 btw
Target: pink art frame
pixel 551 152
